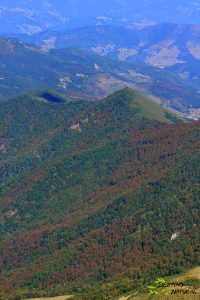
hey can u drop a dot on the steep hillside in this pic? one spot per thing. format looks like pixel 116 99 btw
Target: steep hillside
pixel 24 67
pixel 93 192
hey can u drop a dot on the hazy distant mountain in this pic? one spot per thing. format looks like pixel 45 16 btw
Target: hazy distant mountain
pixel 24 67
pixel 166 46
pixel 175 47
pixel 28 16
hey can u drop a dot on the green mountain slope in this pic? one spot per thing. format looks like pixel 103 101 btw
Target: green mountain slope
pixel 93 192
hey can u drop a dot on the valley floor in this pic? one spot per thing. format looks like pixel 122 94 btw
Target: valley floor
pixel 193 274
pixel 53 298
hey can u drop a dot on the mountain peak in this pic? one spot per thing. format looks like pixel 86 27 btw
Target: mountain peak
pixel 142 106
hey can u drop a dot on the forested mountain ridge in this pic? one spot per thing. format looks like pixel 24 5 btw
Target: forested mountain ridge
pixel 24 67
pixel 94 191
pixel 99 149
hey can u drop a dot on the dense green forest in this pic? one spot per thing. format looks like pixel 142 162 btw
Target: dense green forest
pixel 97 198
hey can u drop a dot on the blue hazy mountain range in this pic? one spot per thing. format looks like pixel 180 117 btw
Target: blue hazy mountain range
pixel 171 47
pixel 28 16
pixel 25 67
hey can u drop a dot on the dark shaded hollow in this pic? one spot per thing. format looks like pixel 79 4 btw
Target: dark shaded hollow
pixel 51 98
